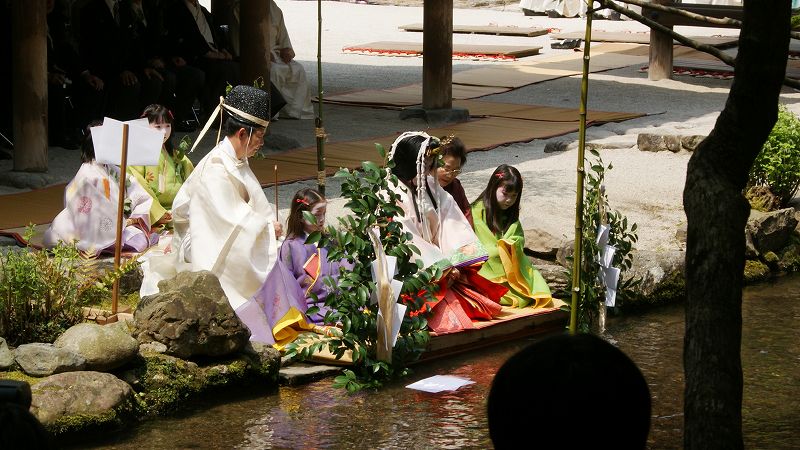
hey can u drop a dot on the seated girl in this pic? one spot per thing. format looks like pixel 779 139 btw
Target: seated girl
pixel 173 168
pixel 443 236
pixel 90 210
pixel 496 216
pixel 452 157
pixel 296 281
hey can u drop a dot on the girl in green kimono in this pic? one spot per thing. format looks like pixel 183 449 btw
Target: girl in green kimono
pixel 496 219
pixel 163 180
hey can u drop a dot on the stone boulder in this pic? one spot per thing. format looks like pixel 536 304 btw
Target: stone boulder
pixel 661 273
pixel 191 316
pixel 41 360
pixel 542 243
pixel 6 356
pixel 76 399
pixel 658 142
pixel 770 232
pixel 265 358
pixel 105 347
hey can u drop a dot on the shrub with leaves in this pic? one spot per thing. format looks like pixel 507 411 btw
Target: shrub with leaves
pixel 596 212
pixel 42 292
pixel 777 166
pixel 373 204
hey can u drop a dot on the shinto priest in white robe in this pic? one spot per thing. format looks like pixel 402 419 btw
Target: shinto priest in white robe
pixel 224 224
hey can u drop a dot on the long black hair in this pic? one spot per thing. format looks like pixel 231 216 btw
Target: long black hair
pixel 405 164
pixel 497 219
pixel 87 146
pixel 156 113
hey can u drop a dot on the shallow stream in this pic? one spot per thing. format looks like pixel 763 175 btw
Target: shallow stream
pixel 319 416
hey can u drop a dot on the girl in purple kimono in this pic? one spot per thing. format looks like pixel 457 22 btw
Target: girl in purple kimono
pixel 308 263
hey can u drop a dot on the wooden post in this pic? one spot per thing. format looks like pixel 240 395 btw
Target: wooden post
pixel 254 41
pixel 29 85
pixel 660 53
pixel 437 55
pixel 123 167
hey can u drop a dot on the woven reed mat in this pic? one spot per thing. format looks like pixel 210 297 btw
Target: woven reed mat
pixel 498 30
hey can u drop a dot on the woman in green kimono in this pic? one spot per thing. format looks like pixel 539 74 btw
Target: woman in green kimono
pixel 163 180
pixel 496 218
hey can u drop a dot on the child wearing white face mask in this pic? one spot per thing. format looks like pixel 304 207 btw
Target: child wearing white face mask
pixel 173 167
pixel 496 219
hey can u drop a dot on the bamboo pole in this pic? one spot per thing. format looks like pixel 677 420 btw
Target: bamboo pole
pixel 577 256
pixel 320 128
pixel 123 166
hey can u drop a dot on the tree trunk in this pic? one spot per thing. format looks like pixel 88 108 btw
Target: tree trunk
pixel 660 66
pixel 29 85
pixel 717 212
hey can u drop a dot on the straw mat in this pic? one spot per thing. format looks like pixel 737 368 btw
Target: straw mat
pixel 395 48
pixel 644 38
pixel 498 30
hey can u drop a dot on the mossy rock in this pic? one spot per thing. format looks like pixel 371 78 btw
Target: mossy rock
pixel 790 259
pixel 163 382
pixel 670 290
pixel 755 271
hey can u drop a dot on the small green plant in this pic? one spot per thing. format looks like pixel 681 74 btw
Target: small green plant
pixel 42 292
pixel 373 204
pixel 595 213
pixel 777 166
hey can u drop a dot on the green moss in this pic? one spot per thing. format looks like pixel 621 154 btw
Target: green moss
pixel 165 381
pixel 82 423
pixel 670 290
pixel 19 376
pixel 790 259
pixel 755 271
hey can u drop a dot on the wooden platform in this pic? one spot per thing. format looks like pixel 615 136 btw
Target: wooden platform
pixel 396 48
pixel 497 30
pixel 644 38
pixel 512 324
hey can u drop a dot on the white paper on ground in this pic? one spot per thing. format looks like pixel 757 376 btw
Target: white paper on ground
pixel 439 383
pixel 144 143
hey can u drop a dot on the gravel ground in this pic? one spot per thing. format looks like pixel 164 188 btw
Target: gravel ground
pixel 647 187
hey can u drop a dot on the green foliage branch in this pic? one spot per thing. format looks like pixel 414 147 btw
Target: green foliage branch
pixel 777 166
pixel 42 292
pixel 373 204
pixel 622 235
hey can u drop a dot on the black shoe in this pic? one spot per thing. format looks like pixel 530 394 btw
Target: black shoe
pixel 184 126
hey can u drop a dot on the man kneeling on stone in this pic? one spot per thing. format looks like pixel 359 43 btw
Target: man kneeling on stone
pixel 223 221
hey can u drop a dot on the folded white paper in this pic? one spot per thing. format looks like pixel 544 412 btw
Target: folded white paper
pixel 602 235
pixel 144 143
pixel 439 383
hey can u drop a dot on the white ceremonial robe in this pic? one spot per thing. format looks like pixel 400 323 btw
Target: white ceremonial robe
pixel 224 224
pixel 451 233
pixel 290 79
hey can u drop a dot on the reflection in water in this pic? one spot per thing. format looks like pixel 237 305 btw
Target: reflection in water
pixel 318 416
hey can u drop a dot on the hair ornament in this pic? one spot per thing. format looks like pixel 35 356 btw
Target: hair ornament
pixel 301 201
pixel 499 175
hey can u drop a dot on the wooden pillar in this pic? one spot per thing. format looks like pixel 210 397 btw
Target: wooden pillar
pixel 29 85
pixel 437 55
pixel 660 53
pixel 254 40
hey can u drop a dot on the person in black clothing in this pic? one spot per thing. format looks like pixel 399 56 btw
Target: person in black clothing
pixel 112 52
pixel 195 41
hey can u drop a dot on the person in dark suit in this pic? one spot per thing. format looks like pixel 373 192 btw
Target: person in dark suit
pixel 181 85
pixel 195 41
pixel 112 52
